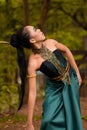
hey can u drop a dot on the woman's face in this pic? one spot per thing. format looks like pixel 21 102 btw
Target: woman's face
pixel 35 34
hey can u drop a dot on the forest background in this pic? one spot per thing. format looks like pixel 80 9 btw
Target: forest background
pixel 63 20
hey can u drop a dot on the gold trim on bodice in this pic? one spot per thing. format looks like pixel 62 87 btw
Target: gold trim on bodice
pixel 50 56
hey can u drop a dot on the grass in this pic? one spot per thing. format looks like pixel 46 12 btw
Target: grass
pixel 15 118
pixel 22 118
pixel 8 121
pixel 84 117
pixel 37 117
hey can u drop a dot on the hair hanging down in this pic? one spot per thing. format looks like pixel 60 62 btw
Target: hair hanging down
pixel 20 40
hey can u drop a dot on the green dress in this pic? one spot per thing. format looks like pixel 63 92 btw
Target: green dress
pixel 61 106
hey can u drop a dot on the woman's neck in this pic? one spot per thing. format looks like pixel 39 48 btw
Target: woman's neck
pixel 38 45
pixel 37 48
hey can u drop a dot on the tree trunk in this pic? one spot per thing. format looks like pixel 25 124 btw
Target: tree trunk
pixel 44 12
pixel 26 12
pixel 7 1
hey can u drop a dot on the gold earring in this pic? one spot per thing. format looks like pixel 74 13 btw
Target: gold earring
pixel 34 41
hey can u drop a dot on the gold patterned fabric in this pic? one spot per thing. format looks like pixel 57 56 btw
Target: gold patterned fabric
pixel 48 55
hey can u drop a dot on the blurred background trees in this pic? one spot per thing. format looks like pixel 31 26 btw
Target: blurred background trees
pixel 63 20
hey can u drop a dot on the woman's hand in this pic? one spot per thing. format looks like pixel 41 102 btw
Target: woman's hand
pixel 29 127
pixel 79 79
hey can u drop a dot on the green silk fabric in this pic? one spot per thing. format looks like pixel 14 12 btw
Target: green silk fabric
pixel 61 106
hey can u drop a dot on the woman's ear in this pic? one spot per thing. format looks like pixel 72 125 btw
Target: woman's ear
pixel 32 40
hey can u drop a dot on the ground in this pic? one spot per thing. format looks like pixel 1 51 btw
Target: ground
pixel 20 125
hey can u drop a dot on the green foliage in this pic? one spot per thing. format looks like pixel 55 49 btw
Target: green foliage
pixel 8 98
pixel 57 19
pixel 8 66
pixel 66 22
pixel 8 87
pixel 84 117
pixel 10 18
pixel 15 118
pixel 69 39
pixel 37 117
pixel 61 24
pixel 19 118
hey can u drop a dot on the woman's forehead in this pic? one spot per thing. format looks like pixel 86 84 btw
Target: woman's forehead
pixel 29 27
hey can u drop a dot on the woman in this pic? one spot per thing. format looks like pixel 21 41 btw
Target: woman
pixel 61 107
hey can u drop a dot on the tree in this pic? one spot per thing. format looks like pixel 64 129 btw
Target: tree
pixel 26 12
pixel 44 13
pixel 78 16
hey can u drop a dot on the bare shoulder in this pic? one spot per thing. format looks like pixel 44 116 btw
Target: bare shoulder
pixel 51 44
pixel 51 41
pixel 55 44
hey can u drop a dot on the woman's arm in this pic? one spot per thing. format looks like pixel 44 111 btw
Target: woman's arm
pixel 32 94
pixel 31 100
pixel 71 59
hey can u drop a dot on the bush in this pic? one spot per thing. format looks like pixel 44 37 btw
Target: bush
pixel 9 98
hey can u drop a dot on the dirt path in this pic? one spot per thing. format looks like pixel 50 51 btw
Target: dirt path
pixel 83 102
pixel 21 126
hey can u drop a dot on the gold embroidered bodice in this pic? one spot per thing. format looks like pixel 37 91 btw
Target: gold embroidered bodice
pixel 48 55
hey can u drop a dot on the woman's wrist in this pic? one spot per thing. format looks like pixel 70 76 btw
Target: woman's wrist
pixel 29 123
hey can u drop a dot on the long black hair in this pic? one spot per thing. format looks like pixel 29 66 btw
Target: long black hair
pixel 19 41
